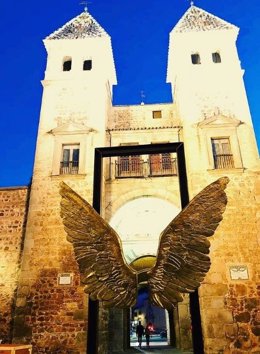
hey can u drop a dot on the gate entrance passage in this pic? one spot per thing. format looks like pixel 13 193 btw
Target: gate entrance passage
pixel 100 153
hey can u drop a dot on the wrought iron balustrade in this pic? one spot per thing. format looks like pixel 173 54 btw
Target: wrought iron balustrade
pixel 69 167
pixel 163 166
pixel 223 161
pixel 129 168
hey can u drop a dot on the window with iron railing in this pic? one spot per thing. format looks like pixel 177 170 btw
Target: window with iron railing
pixel 162 165
pixel 70 159
pixel 129 166
pixel 222 156
pixel 155 165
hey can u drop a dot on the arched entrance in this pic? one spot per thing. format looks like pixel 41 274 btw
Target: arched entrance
pixel 100 153
pixel 154 318
pixel 139 223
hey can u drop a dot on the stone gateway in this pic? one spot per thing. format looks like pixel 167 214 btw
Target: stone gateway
pixel 42 300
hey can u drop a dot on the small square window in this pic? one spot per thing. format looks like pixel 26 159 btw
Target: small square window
pixel 195 58
pixel 157 114
pixel 67 64
pixel 216 57
pixel 87 65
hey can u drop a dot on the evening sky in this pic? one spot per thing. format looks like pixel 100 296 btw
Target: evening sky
pixel 139 32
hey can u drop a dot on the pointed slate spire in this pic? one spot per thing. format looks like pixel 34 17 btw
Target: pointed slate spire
pixel 198 20
pixel 80 27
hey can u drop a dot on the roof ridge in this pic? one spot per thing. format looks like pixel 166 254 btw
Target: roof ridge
pixel 82 26
pixel 197 19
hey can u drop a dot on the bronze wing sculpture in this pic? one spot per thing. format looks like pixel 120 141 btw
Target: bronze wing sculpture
pixel 98 252
pixel 182 258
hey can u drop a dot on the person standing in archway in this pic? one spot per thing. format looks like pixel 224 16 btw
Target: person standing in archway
pixel 148 330
pixel 140 333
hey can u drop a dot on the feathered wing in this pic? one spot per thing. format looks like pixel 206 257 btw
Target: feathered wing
pixel 98 252
pixel 182 259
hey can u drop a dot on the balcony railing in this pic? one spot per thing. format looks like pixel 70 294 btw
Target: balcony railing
pixel 127 168
pixel 223 161
pixel 165 166
pixel 69 167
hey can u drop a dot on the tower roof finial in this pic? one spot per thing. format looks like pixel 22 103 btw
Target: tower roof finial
pixel 142 94
pixel 85 3
pixel 191 3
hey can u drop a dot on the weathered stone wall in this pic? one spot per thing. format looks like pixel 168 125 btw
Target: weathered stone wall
pixel 49 315
pixel 182 319
pixel 13 210
pixel 229 307
pixel 141 117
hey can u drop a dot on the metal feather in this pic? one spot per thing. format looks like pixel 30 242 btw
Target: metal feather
pixel 183 248
pixel 182 259
pixel 98 252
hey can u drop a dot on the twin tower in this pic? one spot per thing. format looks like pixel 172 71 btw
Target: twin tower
pixel 203 69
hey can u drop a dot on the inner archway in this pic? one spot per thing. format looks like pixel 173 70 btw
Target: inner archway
pixel 154 319
pixel 139 223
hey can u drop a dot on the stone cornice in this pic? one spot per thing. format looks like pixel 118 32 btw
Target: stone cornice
pixel 145 128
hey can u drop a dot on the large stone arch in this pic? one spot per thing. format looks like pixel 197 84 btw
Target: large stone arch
pixel 136 246
pixel 116 201
pixel 139 222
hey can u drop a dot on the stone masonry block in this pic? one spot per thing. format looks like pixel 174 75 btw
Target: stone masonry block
pixel 220 316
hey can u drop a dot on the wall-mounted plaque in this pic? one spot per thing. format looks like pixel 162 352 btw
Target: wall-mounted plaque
pixel 65 279
pixel 238 272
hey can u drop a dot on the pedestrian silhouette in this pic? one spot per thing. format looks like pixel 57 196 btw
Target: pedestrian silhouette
pixel 140 333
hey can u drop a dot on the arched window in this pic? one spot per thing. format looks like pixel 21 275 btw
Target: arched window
pixel 67 64
pixel 87 65
pixel 216 57
pixel 195 58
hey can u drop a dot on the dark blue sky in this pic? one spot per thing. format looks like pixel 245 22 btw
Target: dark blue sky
pixel 139 31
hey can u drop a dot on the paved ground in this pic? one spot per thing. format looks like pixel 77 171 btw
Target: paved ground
pixel 157 350
pixel 157 346
pixel 160 350
pixel 155 340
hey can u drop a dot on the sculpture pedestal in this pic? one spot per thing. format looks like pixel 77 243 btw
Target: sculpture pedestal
pixel 15 349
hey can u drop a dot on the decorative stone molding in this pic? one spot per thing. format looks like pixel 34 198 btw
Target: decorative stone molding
pixel 71 128
pixel 219 120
